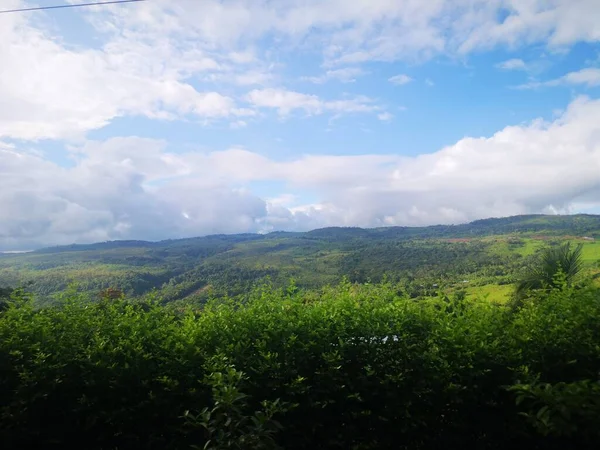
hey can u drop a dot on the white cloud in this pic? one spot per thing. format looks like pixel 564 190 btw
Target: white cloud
pixel 589 77
pixel 556 24
pixel 115 191
pixel 345 75
pixel 385 116
pixel 400 79
pixel 252 77
pixel 285 102
pixel 50 90
pixel 366 30
pixel 152 59
pixel 512 64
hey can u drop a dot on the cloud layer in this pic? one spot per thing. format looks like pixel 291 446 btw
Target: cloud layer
pixel 57 90
pixel 139 188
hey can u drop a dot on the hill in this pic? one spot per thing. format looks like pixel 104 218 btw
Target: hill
pixel 481 257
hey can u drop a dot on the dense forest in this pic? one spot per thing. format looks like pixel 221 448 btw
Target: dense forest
pixel 483 256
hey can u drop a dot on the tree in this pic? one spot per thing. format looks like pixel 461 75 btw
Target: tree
pixel 554 260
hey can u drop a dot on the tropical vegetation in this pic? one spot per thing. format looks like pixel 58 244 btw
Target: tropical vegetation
pixel 356 364
pixel 484 257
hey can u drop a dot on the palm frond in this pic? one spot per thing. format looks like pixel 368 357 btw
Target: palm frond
pixel 562 259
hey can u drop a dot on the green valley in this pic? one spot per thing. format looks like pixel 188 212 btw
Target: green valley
pixel 482 258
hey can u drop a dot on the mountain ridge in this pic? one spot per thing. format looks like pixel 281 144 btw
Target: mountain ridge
pixel 491 221
pixel 489 253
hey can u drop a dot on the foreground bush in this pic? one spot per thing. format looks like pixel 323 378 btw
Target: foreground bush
pixel 355 367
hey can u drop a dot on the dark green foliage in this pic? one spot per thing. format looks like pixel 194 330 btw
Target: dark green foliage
pixel 567 410
pixel 226 425
pixel 352 367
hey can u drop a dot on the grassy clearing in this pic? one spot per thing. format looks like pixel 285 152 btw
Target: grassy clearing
pixel 591 252
pixel 530 247
pixel 491 292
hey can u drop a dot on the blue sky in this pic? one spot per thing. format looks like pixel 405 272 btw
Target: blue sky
pixel 167 119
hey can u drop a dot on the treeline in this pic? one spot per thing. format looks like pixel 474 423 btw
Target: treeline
pixel 351 367
pixel 551 225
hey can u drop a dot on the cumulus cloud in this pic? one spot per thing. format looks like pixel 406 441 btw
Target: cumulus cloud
pixel 589 77
pixel 121 188
pixel 130 187
pixel 50 90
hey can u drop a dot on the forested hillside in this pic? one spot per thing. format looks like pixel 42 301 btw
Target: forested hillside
pixel 480 257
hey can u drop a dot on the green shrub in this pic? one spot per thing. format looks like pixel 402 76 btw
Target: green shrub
pixel 569 410
pixel 351 367
pixel 226 424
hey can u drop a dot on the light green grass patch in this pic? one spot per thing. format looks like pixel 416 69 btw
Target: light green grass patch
pixel 490 292
pixel 590 252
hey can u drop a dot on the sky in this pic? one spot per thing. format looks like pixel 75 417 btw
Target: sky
pixel 177 118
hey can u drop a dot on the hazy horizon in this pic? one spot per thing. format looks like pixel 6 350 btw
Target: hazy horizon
pixel 19 251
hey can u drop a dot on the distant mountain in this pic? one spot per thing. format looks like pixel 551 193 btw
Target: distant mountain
pixel 488 251
pixel 576 224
